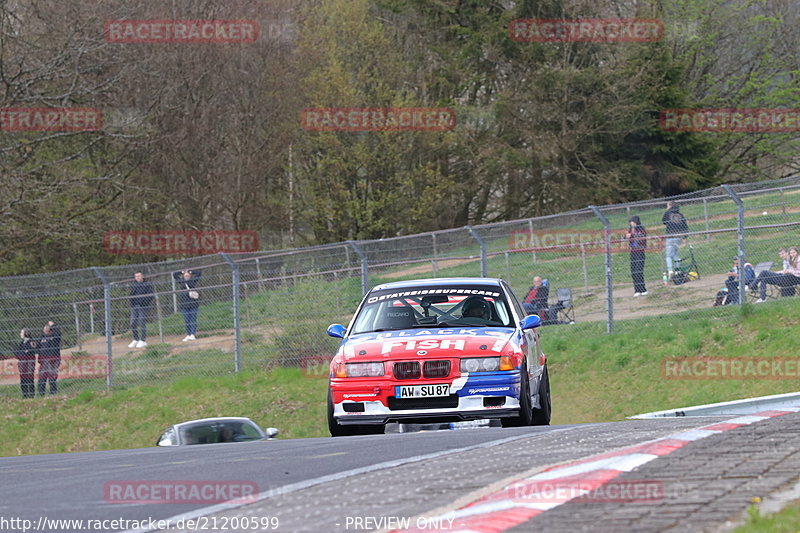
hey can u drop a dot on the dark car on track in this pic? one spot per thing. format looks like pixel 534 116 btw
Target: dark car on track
pixel 438 350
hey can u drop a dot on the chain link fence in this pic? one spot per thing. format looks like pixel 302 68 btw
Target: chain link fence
pixel 267 309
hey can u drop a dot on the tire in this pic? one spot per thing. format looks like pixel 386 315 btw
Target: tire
pixel 335 429
pixel 541 416
pixel 525 416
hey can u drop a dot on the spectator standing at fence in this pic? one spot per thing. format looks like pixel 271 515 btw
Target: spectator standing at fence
pixel 637 242
pixel 189 300
pixel 142 299
pixel 732 283
pixel 49 358
pixel 537 296
pixel 788 277
pixel 25 352
pixel 676 230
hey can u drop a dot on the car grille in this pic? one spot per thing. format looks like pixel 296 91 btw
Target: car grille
pixel 423 403
pixel 407 370
pixel 436 369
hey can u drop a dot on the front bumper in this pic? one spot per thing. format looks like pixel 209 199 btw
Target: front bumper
pixel 472 396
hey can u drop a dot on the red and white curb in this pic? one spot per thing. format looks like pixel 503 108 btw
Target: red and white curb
pixel 524 499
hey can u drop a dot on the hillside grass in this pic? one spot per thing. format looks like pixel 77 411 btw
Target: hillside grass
pixel 595 378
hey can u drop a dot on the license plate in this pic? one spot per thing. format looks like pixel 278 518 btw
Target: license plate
pixel 421 391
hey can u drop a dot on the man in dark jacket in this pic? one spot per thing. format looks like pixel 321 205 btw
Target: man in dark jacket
pixel 141 303
pixel 25 352
pixel 676 230
pixel 732 283
pixel 49 357
pixel 188 299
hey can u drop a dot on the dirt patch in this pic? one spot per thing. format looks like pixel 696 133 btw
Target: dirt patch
pixel 427 268
pixel 660 300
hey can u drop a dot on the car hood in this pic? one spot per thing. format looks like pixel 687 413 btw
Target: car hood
pixel 426 343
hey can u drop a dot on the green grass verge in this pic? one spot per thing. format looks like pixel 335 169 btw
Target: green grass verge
pixel 595 377
pixel 784 521
pixel 598 377
pixel 135 417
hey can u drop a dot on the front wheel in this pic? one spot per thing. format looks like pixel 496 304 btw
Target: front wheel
pixel 333 426
pixel 541 416
pixel 525 416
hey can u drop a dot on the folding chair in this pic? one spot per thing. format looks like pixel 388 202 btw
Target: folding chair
pixel 564 309
pixel 773 291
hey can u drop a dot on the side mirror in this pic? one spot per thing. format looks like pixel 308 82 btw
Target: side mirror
pixel 530 322
pixel 166 438
pixel 337 330
pixel 271 432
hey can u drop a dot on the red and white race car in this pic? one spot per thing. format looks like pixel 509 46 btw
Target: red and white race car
pixel 437 350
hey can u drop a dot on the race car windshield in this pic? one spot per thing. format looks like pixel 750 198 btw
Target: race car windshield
pixel 425 307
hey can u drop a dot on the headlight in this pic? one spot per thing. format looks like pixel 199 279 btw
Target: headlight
pixel 482 364
pixel 363 370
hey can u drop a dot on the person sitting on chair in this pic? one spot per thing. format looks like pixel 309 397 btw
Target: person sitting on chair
pixel 732 283
pixel 787 278
pixel 537 296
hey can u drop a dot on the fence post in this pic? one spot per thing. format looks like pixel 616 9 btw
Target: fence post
pixel 260 277
pixel 783 206
pixel 739 235
pixel 609 274
pixel 364 270
pixel 237 334
pixel 484 266
pixel 585 271
pixel 705 214
pixel 533 249
pixel 434 264
pixel 508 269
pixel 91 318
pixel 77 326
pixel 159 318
pixel 174 296
pixel 247 306
pixel 109 330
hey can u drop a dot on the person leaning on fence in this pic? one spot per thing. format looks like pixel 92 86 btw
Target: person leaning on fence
pixel 676 230
pixel 188 300
pixel 49 358
pixel 142 299
pixel 637 242
pixel 25 352
pixel 787 278
pixel 537 296
pixel 732 283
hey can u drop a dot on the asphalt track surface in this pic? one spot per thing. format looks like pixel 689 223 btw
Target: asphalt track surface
pixel 308 484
